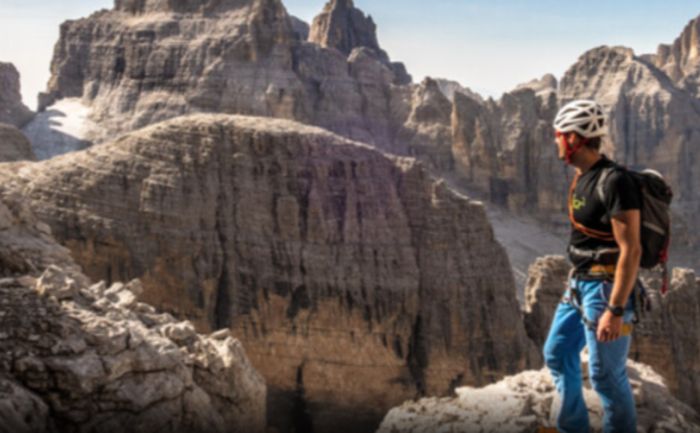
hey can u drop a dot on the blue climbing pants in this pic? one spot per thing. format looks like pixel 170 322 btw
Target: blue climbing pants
pixel 568 335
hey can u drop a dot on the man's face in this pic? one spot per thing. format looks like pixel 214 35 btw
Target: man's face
pixel 562 146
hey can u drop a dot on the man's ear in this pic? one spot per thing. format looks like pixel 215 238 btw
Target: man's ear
pixel 572 138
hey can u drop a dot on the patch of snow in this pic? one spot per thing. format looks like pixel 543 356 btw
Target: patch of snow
pixel 63 127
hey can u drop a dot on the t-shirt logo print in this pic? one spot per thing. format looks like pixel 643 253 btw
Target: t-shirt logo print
pixel 578 203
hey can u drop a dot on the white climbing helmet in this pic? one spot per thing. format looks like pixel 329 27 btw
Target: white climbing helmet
pixel 585 117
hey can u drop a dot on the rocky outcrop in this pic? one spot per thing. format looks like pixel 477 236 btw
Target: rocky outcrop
pixel 94 358
pixel 427 133
pixel 542 87
pixel 545 287
pixel 666 338
pixel 12 110
pixel 326 258
pixel 681 59
pixel 300 27
pixel 85 357
pixel 342 26
pixel 450 87
pixel 14 146
pixel 523 403
pixel 505 150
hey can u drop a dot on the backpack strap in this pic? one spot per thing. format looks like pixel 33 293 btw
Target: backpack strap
pixel 600 190
pixel 591 233
pixel 600 186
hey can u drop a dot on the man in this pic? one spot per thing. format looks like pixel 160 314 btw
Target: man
pixel 605 251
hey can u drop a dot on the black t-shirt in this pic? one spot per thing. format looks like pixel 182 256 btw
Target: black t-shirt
pixel 621 194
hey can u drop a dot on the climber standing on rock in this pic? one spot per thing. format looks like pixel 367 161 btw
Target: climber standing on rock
pixel 605 250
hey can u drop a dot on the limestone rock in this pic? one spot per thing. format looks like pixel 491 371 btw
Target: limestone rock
pixel 522 403
pixel 505 150
pixel 14 146
pixel 545 287
pixel 426 132
pixel 342 26
pixel 26 244
pixel 96 365
pixel 327 259
pixel 147 61
pixel 681 60
pixel 300 27
pixel 138 7
pixel 54 282
pixel 76 357
pixel 668 337
pixel 12 110
pixel 21 411
pixel 449 88
pixel 542 87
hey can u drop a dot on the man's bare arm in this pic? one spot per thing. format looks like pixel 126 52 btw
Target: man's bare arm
pixel 626 229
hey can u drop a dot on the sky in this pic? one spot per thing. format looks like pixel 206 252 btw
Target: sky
pixel 490 46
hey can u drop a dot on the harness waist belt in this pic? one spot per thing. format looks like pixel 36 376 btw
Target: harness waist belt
pixel 593 254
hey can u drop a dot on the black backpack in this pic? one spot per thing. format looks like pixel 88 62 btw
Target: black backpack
pixel 655 233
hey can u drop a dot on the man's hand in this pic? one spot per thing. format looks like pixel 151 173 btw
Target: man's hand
pixel 609 327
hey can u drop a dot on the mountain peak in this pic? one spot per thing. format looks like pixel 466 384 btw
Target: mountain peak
pixel 342 26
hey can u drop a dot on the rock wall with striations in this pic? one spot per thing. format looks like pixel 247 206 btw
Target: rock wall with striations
pixel 667 338
pixel 681 59
pixel 353 279
pixel 14 145
pixel 78 356
pixel 146 61
pixel 505 149
pixel 12 110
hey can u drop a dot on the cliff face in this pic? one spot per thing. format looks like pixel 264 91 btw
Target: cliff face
pixel 667 338
pixel 14 146
pixel 146 61
pixel 342 26
pixel 505 149
pixel 85 357
pixel 12 110
pixel 327 259
pixel 681 59
pixel 426 132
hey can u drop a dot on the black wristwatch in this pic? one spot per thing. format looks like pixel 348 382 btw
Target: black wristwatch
pixel 617 311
